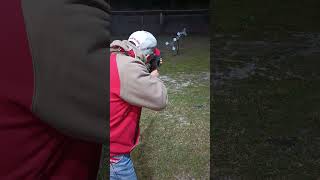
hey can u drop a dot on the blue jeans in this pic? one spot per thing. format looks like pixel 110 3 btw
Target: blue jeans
pixel 123 169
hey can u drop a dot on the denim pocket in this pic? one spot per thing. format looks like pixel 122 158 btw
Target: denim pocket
pixel 118 158
pixel 123 169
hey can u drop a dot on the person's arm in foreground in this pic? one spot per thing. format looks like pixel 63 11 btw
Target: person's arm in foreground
pixel 69 43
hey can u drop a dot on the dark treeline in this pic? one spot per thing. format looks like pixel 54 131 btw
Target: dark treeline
pixel 295 15
pixel 159 4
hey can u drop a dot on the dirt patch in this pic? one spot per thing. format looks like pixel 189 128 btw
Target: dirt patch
pixel 182 80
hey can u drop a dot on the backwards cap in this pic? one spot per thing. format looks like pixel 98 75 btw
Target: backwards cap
pixel 144 41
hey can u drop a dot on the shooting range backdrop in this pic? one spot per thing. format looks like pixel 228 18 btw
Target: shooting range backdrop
pixel 160 21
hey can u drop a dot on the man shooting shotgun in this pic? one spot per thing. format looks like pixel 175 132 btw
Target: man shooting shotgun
pixel 154 60
pixel 152 54
pixel 134 84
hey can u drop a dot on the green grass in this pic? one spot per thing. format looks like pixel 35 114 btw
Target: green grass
pixel 175 142
pixel 103 168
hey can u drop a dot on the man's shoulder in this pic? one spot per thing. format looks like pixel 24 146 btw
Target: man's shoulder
pixel 125 61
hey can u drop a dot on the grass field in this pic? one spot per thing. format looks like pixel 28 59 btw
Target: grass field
pixel 266 108
pixel 175 143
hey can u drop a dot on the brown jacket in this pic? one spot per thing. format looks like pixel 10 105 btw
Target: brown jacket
pixel 131 88
pixel 137 86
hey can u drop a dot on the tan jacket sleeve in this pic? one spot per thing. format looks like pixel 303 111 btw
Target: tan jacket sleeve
pixel 138 87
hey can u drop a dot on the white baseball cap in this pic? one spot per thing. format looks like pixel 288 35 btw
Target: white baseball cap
pixel 144 41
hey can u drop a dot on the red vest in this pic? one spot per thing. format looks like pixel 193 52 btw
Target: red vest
pixel 124 118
